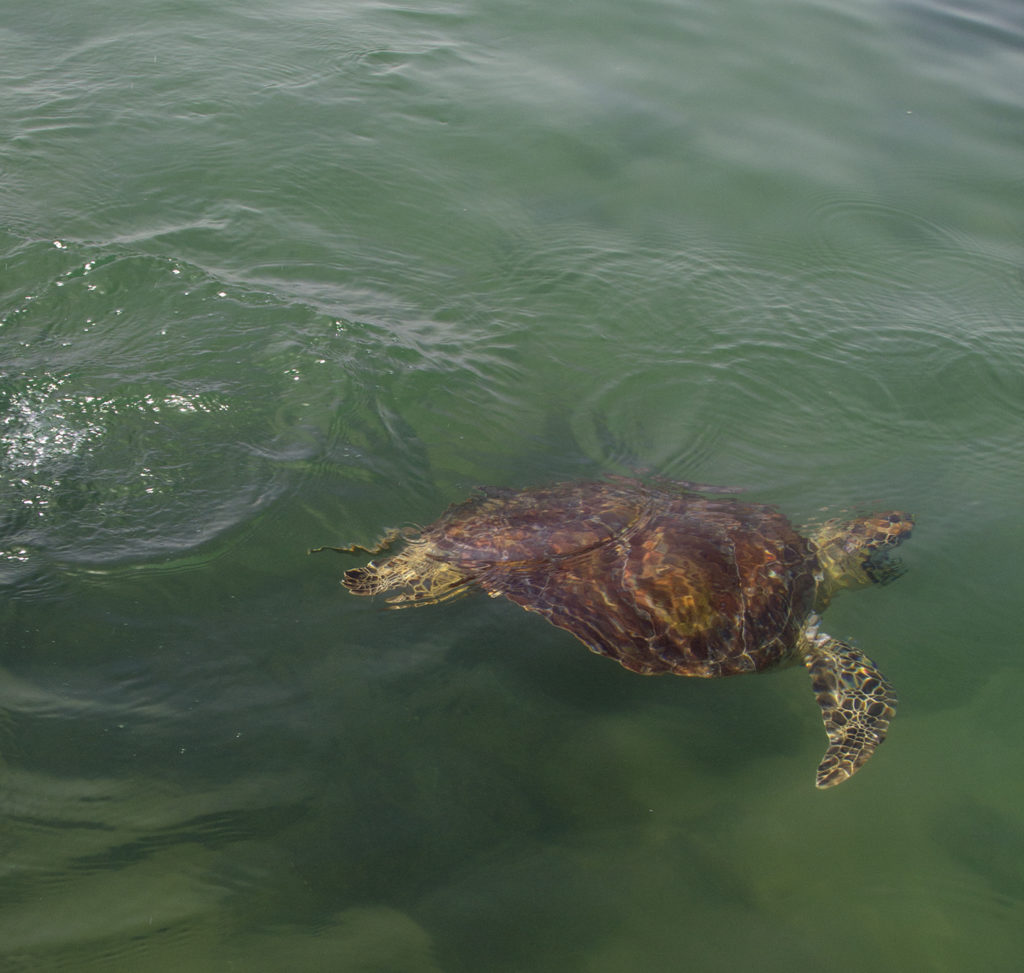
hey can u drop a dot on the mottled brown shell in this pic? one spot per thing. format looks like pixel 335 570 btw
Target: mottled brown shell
pixel 657 577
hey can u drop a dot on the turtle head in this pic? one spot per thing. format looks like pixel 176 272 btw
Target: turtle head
pixel 854 553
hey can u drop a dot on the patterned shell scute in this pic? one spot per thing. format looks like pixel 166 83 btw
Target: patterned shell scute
pixel 508 526
pixel 726 586
pixel 660 580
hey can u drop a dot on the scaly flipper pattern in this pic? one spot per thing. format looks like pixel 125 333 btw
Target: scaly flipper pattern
pixel 856 703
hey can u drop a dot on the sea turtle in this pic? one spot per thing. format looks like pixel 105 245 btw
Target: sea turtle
pixel 665 579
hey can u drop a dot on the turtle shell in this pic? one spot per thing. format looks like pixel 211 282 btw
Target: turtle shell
pixel 517 526
pixel 660 579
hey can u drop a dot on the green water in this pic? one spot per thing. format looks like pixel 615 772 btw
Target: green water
pixel 275 275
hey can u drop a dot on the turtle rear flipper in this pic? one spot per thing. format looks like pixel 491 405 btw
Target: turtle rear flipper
pixel 409 578
pixel 856 703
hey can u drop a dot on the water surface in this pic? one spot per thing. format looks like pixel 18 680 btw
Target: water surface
pixel 279 275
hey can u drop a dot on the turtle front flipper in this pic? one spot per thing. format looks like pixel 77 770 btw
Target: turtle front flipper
pixel 856 703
